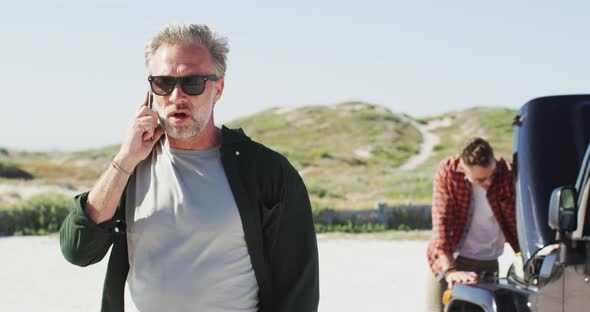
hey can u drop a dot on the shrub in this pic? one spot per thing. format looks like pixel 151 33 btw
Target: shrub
pixel 316 209
pixel 321 192
pixel 12 171
pixel 37 215
pixel 350 227
pixel 438 147
pixel 317 191
pixel 403 227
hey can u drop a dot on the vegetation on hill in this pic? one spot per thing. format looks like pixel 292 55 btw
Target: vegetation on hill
pixel 492 124
pixel 37 215
pixel 348 154
pixel 11 170
pixel 346 135
pixel 344 152
pixel 70 170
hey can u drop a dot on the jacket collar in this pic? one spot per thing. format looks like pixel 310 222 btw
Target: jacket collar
pixel 233 136
pixel 455 163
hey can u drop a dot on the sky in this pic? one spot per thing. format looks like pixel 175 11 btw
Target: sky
pixel 73 72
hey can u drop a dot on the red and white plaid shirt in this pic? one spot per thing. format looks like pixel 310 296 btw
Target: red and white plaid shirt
pixel 450 207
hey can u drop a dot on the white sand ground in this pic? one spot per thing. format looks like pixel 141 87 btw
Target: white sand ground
pixel 355 275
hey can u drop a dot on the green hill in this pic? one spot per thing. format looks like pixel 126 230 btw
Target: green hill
pixel 350 155
pixel 493 124
pixel 72 170
pixel 335 137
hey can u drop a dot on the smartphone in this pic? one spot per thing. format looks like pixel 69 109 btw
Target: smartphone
pixel 151 105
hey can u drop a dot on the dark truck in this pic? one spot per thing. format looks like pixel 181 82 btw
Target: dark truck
pixel 552 166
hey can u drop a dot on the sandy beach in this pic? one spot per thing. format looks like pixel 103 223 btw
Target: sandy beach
pixel 355 275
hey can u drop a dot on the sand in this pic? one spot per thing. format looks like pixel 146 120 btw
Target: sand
pixel 355 275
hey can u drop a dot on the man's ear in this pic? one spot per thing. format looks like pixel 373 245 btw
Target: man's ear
pixel 219 85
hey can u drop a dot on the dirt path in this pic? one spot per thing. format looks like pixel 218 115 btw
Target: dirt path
pixel 429 141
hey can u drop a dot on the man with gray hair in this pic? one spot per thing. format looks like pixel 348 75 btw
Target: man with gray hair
pixel 199 218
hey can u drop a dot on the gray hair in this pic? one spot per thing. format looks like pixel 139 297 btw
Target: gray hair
pixel 191 34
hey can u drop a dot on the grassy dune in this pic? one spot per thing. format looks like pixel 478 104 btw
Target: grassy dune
pixel 348 154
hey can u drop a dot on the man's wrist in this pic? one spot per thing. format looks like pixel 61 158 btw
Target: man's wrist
pixel 118 167
pixel 447 271
pixel 125 162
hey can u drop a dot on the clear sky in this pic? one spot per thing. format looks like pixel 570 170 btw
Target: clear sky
pixel 73 74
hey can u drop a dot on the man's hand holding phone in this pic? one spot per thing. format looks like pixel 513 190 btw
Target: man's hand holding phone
pixel 141 135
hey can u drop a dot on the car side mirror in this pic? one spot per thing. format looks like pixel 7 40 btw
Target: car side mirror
pixel 563 213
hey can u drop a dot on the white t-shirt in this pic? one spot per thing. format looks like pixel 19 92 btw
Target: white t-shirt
pixel 187 250
pixel 483 238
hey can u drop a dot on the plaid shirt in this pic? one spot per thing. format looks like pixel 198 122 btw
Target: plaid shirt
pixel 450 207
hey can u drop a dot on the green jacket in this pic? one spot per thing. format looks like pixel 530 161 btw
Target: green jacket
pixel 276 216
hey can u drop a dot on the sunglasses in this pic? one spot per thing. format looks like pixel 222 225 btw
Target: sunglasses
pixel 191 85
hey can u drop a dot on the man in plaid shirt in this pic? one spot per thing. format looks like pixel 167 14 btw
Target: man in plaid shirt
pixel 473 215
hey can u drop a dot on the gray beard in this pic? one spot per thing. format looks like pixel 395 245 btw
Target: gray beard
pixel 181 132
pixel 199 117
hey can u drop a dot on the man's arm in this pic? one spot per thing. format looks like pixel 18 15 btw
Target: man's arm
pixel 103 198
pixel 445 261
pixel 137 145
pixel 442 206
pixel 82 241
pixel 294 253
pixel 87 231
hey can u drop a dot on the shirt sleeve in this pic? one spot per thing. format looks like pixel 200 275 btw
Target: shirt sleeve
pixel 443 204
pixel 293 251
pixel 82 241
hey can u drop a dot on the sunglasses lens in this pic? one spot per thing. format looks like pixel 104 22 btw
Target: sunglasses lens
pixel 193 85
pixel 163 85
